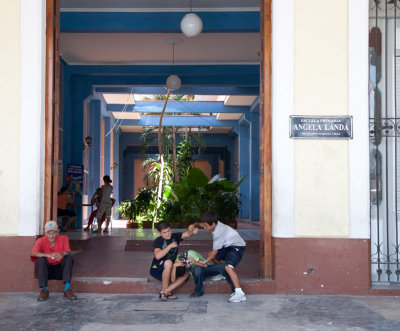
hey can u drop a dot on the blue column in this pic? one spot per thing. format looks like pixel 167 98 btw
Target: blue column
pixel 255 167
pixel 117 169
pixel 107 146
pixel 94 151
pixel 128 176
pixel 244 168
pixel 75 91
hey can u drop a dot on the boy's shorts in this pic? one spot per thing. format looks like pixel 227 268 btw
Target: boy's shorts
pixel 231 255
pixel 156 269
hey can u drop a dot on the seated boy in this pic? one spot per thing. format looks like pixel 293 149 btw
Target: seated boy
pixel 53 261
pixel 228 246
pixel 165 249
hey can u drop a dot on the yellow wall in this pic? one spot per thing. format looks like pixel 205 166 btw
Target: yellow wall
pixel 10 114
pixel 321 88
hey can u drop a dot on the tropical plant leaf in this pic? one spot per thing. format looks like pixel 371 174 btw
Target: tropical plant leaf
pixel 196 178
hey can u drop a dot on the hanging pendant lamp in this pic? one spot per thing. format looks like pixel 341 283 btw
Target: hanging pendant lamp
pixel 191 24
pixel 173 81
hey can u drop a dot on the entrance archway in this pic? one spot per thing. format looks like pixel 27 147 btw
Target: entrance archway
pixel 52 120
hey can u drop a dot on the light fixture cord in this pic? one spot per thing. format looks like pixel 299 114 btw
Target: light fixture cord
pixel 173 57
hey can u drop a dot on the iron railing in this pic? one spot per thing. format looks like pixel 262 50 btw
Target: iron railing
pixel 384 92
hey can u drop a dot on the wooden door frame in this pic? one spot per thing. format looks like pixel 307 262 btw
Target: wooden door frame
pixel 51 110
pixel 52 123
pixel 265 141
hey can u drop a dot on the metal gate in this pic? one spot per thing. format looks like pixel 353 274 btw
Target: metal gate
pixel 384 115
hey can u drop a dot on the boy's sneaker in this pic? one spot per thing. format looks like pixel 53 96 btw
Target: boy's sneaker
pixel 218 277
pixel 237 297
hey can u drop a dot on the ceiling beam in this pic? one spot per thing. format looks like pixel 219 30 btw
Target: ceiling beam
pixel 156 22
pixel 199 90
pixel 179 107
pixel 151 120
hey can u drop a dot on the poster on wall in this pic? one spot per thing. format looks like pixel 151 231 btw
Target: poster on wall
pixel 74 178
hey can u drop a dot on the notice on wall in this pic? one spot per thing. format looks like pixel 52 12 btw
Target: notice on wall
pixel 74 177
pixel 321 127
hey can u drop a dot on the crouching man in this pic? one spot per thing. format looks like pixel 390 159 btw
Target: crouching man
pixel 53 261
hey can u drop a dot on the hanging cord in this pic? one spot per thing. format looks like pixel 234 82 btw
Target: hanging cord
pixel 173 58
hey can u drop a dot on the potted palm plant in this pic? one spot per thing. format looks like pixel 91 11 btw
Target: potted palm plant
pixel 143 201
pixel 132 209
pixel 128 210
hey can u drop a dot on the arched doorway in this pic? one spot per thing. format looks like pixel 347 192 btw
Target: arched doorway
pixel 52 120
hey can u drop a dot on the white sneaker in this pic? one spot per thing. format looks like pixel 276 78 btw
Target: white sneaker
pixel 218 277
pixel 237 297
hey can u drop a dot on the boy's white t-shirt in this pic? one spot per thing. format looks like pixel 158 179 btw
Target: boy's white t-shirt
pixel 225 236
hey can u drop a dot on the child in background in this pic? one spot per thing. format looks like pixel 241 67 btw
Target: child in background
pixel 105 202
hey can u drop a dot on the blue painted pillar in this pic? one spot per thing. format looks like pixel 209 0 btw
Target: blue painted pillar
pixel 94 150
pixel 75 91
pixel 107 146
pixel 244 168
pixel 117 168
pixel 255 167
pixel 128 176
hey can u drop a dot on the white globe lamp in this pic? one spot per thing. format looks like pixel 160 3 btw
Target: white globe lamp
pixel 173 82
pixel 191 25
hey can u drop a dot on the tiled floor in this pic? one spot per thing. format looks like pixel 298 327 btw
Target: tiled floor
pixel 247 231
pixel 104 255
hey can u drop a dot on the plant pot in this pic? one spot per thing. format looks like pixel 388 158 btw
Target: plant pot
pixel 132 225
pixel 147 224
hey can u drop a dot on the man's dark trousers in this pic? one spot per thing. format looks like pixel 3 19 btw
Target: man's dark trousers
pixel 200 273
pixel 46 271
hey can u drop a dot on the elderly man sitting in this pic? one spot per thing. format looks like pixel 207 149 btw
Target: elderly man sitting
pixel 53 261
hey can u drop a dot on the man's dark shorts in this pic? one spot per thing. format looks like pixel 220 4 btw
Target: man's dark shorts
pixel 157 269
pixel 231 255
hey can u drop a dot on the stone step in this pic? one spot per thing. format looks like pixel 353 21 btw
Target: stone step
pixel 252 246
pixel 118 285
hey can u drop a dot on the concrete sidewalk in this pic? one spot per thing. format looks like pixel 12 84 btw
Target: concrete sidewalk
pixel 21 311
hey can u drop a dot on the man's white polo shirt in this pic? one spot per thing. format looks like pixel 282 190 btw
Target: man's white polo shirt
pixel 225 236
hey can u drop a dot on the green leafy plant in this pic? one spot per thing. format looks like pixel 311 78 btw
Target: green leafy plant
pixel 127 209
pixel 195 194
pixel 185 151
pixel 132 209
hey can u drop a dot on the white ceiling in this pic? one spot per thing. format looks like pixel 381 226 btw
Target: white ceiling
pixel 151 48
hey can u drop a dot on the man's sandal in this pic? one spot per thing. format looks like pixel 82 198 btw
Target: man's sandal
pixel 163 296
pixel 171 296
